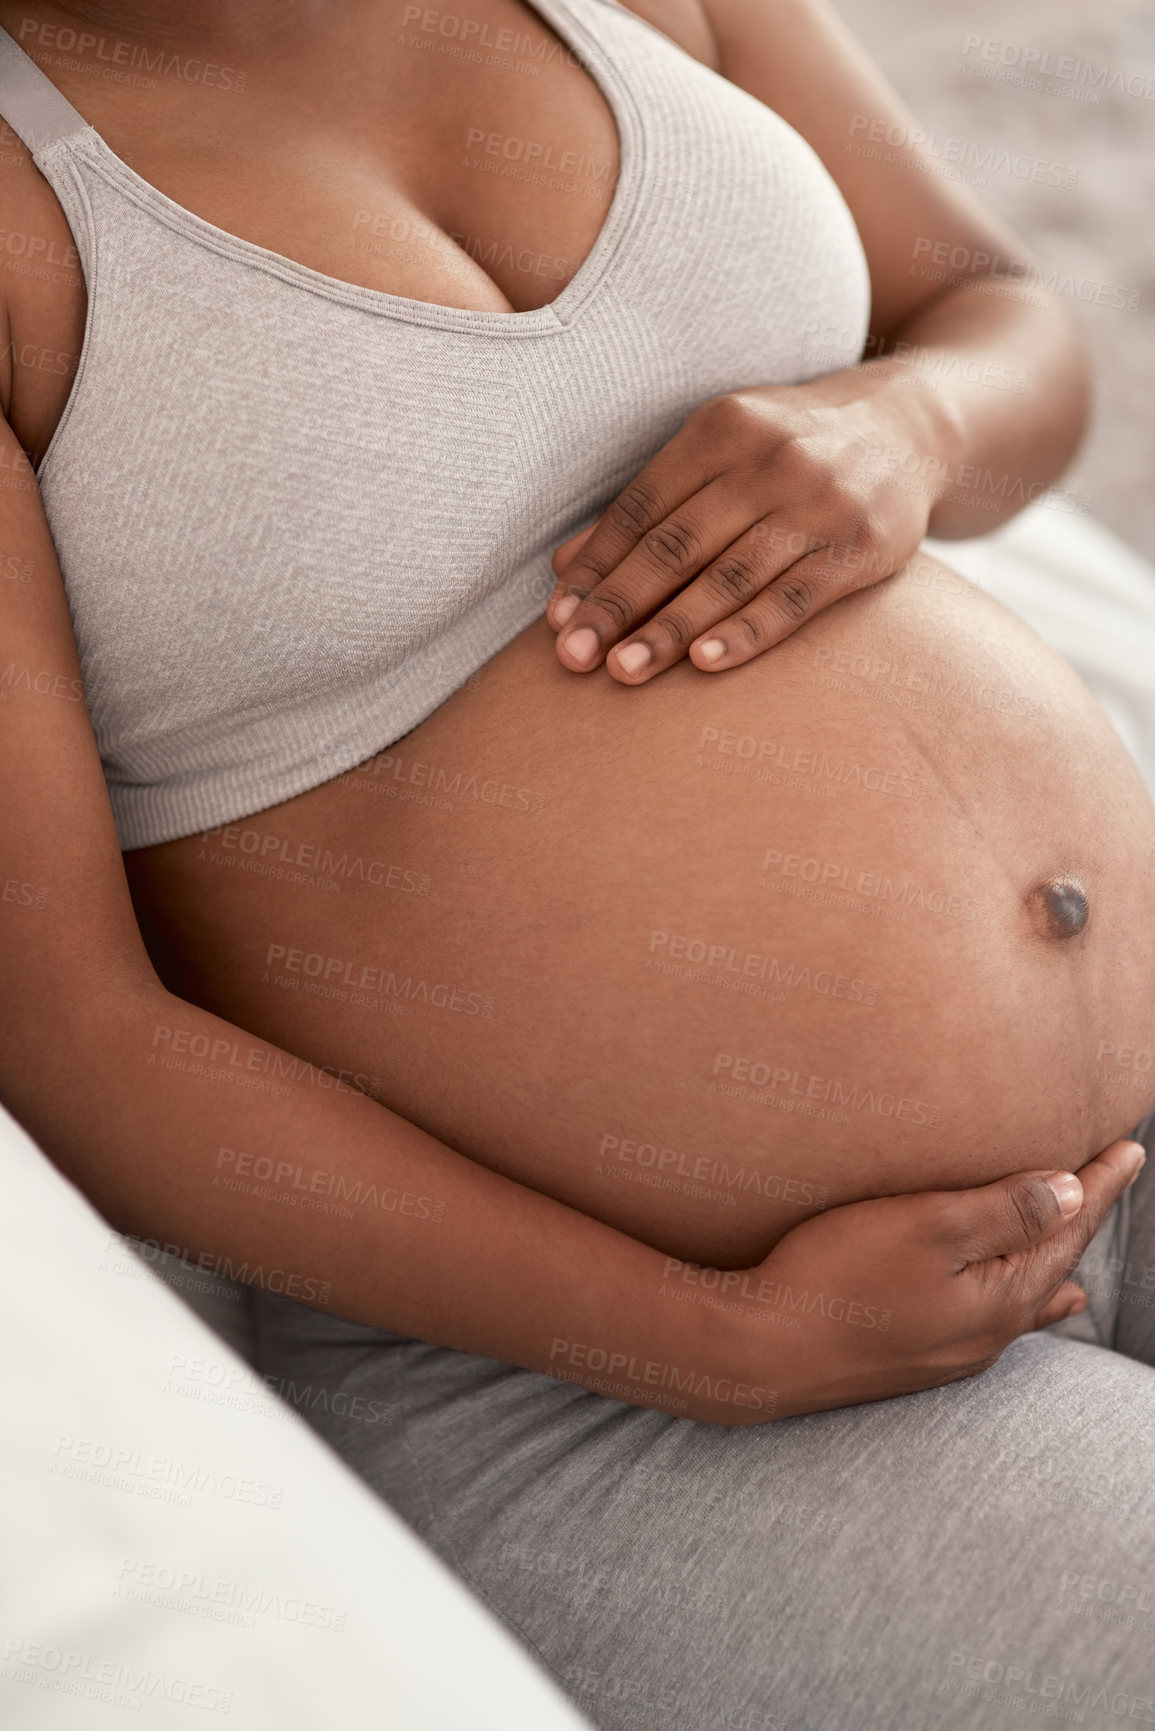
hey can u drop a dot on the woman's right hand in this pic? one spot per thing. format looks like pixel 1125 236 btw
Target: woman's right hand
pixel 903 1293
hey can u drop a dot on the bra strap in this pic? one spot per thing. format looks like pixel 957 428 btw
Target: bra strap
pixel 30 102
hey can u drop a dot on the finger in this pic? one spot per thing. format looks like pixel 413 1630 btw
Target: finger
pixel 800 592
pixel 561 558
pixel 1009 1216
pixel 661 564
pixel 686 464
pixel 1017 1213
pixel 746 566
pixel 1103 1181
pixel 1069 1300
pixel 650 497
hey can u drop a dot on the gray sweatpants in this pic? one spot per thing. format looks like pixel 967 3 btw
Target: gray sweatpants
pixel 978 1556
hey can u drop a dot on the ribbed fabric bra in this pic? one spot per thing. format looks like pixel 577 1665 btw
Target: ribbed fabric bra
pixel 294 514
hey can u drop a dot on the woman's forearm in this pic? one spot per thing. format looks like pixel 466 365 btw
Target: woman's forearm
pixel 995 378
pixel 257 1166
pixel 184 1129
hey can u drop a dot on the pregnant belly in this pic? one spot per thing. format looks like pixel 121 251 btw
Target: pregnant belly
pixel 869 914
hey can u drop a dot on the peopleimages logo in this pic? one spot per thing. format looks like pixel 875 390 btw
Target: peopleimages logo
pixel 1067 69
pixel 281 1178
pixel 176 1587
pixel 898 894
pixel 653 1374
pixel 368 977
pixel 705 1169
pixel 475 32
pixel 826 982
pixel 830 1090
pixel 126 1464
pixel 808 761
pixel 979 269
pixel 1030 1685
pixel 741 1283
pixel 960 154
pixel 116 1682
pixel 122 58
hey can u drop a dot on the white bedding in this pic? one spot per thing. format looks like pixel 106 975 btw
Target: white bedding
pixel 176 1547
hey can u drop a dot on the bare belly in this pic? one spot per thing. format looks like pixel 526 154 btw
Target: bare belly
pixel 703 957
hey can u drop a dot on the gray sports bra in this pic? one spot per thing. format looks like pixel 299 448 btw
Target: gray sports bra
pixel 294 514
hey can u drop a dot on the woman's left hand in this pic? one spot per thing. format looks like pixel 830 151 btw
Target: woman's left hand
pixel 767 506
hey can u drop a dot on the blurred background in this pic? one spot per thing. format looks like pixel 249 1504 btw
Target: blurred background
pixel 1071 81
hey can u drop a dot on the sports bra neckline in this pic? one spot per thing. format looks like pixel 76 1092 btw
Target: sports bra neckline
pixel 558 314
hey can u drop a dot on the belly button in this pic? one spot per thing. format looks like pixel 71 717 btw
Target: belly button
pixel 1059 907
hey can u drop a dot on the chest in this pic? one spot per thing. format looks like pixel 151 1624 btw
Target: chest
pixel 468 162
pixel 279 409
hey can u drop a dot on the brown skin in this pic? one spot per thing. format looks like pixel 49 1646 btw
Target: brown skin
pixel 508 1271
pixel 717 517
pixel 576 920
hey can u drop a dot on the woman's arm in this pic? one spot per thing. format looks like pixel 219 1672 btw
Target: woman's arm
pixel 996 355
pixel 972 397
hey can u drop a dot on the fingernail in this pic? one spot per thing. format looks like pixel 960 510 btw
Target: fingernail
pixel 565 608
pixel 1139 1154
pixel 632 658
pixel 583 645
pixel 712 650
pixel 1068 1191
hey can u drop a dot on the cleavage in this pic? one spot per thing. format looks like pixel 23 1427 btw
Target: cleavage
pixel 389 154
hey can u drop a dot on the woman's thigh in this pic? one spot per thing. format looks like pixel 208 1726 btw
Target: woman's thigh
pixel 951 1559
